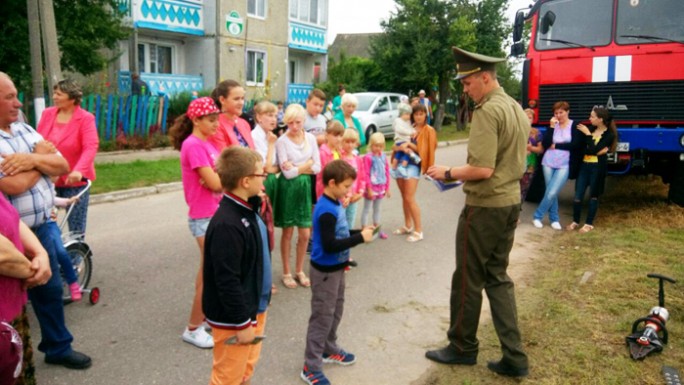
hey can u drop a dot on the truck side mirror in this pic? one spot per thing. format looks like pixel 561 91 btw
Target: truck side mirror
pixel 547 22
pixel 518 49
pixel 518 25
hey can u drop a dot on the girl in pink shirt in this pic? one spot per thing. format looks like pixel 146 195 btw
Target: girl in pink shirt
pixel 202 187
pixel 329 151
pixel 232 130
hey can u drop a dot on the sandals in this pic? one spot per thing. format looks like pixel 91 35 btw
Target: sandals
pixel 586 229
pixel 302 279
pixel 415 237
pixel 403 230
pixel 289 282
pixel 572 226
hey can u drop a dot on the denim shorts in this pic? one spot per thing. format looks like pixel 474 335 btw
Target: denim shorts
pixel 198 227
pixel 413 172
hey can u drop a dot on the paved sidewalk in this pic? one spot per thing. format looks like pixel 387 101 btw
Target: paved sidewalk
pixel 156 154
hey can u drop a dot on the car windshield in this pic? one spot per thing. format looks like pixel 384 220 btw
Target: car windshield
pixel 365 102
pixel 642 21
pixel 574 23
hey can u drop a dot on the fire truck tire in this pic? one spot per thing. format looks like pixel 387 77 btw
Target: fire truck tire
pixel 676 193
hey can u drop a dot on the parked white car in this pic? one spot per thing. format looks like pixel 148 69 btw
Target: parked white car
pixel 376 111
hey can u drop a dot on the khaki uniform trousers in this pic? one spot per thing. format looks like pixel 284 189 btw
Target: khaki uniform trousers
pixel 483 242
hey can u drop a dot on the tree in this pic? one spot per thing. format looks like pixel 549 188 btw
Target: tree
pixel 356 73
pixel 88 33
pixel 415 50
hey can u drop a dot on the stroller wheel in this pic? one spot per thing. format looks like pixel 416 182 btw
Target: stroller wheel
pixel 94 295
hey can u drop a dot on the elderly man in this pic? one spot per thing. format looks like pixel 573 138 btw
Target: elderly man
pixel 27 162
pixel 486 227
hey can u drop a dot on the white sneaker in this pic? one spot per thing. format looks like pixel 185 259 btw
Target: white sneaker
pixel 198 337
pixel 537 223
pixel 556 226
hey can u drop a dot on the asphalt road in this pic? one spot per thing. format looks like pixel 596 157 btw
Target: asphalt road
pixel 145 261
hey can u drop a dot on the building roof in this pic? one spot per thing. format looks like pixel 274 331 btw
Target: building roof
pixel 352 44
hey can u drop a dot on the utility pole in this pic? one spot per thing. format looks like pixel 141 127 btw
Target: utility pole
pixel 36 58
pixel 52 56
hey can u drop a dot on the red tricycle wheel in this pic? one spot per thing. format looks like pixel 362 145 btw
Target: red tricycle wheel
pixel 94 295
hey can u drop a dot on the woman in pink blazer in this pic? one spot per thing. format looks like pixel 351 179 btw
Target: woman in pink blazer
pixel 233 130
pixel 72 130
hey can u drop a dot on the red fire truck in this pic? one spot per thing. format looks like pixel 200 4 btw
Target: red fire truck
pixel 625 55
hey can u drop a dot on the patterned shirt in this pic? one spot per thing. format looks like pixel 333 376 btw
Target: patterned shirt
pixel 33 205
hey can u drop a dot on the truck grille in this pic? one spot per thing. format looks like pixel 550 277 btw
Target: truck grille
pixel 634 102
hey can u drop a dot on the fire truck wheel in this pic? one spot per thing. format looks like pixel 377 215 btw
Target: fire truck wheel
pixel 676 193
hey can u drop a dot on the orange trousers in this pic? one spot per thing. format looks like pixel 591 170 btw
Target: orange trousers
pixel 234 364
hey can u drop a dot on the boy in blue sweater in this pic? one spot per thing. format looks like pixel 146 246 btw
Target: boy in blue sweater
pixel 332 240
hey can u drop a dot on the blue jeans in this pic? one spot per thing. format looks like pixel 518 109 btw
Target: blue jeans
pixel 351 214
pixel 46 300
pixel 588 177
pixel 62 254
pixel 555 179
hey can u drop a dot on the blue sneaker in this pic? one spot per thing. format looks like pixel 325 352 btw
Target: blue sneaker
pixel 342 358
pixel 314 378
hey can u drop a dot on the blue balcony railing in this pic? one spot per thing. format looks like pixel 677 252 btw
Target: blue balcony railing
pixel 307 38
pixel 298 92
pixel 163 84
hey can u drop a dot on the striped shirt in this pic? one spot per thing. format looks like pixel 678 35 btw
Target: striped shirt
pixel 33 205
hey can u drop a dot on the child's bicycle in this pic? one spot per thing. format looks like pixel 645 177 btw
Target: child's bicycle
pixel 81 256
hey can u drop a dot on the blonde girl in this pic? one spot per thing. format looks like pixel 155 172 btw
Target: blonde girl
pixel 201 187
pixel 350 141
pixel 376 177
pixel 298 158
pixel 265 142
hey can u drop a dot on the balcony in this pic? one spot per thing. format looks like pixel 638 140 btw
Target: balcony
pixel 306 38
pixel 298 92
pixel 163 84
pixel 180 16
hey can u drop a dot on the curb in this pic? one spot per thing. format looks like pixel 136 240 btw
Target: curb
pixel 116 196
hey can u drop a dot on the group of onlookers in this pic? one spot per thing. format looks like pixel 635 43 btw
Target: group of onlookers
pixel 571 150
pixel 311 176
pixel 36 165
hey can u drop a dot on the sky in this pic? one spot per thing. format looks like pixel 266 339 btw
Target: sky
pixel 359 16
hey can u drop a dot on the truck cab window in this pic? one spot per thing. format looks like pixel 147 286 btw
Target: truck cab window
pixel 643 21
pixel 574 23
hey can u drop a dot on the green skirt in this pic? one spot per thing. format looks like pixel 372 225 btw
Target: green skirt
pixel 293 202
pixel 271 187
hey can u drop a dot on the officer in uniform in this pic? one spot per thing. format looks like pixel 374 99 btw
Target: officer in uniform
pixel 486 227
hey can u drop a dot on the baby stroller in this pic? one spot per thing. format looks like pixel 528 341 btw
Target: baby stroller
pixel 81 256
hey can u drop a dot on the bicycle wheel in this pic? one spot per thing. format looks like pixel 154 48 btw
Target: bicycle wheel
pixel 81 258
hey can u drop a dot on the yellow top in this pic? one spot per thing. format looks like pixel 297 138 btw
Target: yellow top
pixel 592 158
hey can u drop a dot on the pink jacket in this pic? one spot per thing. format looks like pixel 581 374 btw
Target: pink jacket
pixel 377 189
pixel 78 141
pixel 326 155
pixel 359 185
pixel 225 135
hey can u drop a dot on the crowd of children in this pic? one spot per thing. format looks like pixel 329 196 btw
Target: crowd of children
pixel 239 184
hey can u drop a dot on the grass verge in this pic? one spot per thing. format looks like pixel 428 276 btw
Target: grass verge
pixel 575 333
pixel 122 176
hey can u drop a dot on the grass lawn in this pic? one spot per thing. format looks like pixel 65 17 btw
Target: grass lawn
pixel 122 176
pixel 575 333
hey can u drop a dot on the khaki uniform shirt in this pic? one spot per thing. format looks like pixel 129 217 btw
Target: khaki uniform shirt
pixel 498 137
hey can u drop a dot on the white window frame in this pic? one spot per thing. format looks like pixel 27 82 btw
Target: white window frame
pixel 300 11
pixel 250 79
pixel 260 11
pixel 147 62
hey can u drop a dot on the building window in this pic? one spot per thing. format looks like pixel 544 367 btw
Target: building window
pixel 310 11
pixel 154 58
pixel 256 8
pixel 256 68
